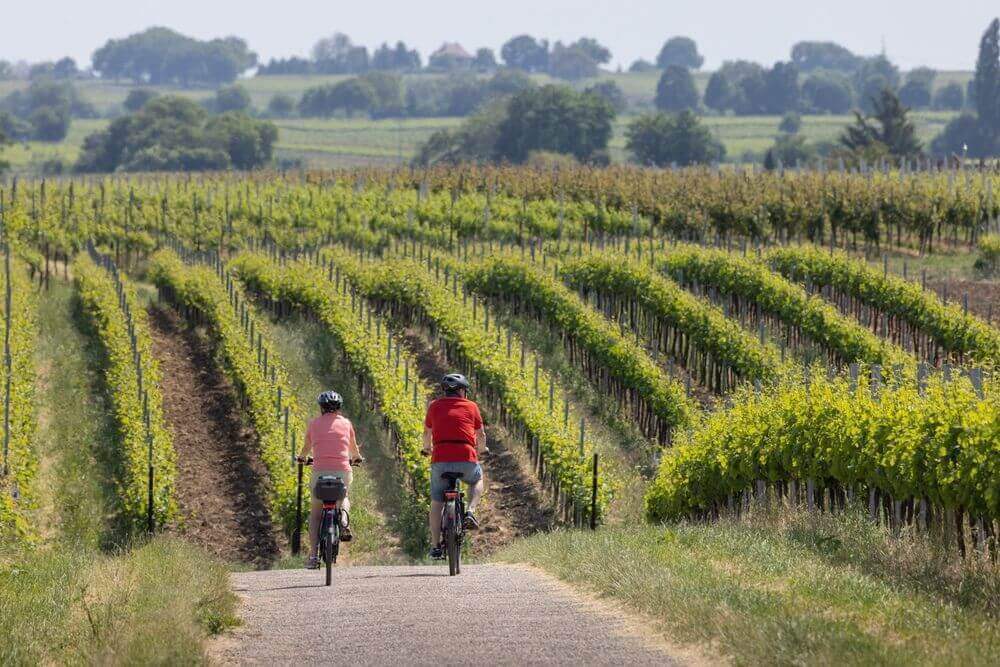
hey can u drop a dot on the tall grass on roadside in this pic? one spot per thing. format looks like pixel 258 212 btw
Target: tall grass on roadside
pixel 783 587
pixel 153 604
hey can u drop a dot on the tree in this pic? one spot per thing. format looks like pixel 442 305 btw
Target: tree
pixel 827 92
pixel 571 62
pixel 6 70
pixel 782 92
pixel 963 136
pixel 172 133
pixel 986 82
pixel 924 75
pixel 231 98
pixel 554 118
pixel 349 96
pixel 916 94
pixel 869 91
pixel 248 143
pixel 660 140
pixel 47 106
pixel 474 141
pixel 279 66
pixel 524 52
pixel 791 150
pixel 484 60
pixel 751 99
pixel 508 82
pixel 338 55
pixel 397 59
pixel 14 128
pixel 611 92
pixel 741 86
pixel 466 93
pixel 951 97
pixel 790 123
pixel 872 76
pixel 679 51
pixel 4 141
pixel 65 68
pixel 163 56
pixel 676 90
pixel 641 65
pixel 596 51
pixel 388 89
pixel 137 98
pixel 456 95
pixel 719 92
pixel 893 130
pixel 810 56
pixel 281 105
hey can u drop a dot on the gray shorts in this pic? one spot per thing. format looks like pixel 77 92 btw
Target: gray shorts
pixel 471 473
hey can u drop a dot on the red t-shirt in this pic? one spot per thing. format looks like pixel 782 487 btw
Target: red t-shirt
pixel 453 421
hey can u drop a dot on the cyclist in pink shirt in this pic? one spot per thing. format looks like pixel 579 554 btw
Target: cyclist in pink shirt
pixel 331 442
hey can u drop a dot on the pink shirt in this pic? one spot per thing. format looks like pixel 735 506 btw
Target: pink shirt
pixel 330 436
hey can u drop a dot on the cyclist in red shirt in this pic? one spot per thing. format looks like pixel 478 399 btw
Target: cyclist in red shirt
pixel 454 437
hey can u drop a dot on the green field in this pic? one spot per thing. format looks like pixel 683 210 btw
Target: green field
pixel 345 142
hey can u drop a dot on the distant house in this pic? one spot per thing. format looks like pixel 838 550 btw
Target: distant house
pixel 450 56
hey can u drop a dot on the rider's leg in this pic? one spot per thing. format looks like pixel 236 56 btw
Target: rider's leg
pixel 315 518
pixel 475 494
pixel 436 507
pixel 346 506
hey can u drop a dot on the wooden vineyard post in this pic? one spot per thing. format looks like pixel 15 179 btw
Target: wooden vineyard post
pixel 593 497
pixel 6 359
pixel 297 533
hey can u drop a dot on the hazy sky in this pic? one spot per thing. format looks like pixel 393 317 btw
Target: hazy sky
pixel 941 35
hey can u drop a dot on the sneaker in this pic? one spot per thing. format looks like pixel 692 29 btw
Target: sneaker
pixel 470 522
pixel 345 534
pixel 312 563
pixel 437 553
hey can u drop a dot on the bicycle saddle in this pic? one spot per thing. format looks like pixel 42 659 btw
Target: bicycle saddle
pixel 452 475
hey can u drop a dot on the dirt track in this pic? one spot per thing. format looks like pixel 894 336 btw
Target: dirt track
pixel 490 614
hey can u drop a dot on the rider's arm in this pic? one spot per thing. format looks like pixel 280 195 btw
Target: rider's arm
pixel 428 440
pixel 481 440
pixel 307 446
pixel 355 451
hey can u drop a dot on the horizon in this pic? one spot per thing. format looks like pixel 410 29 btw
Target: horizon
pixel 945 42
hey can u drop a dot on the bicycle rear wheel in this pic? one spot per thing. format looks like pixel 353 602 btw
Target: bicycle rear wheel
pixel 454 552
pixel 328 559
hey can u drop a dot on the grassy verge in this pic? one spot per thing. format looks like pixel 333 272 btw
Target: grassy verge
pixel 84 596
pixel 75 421
pixel 151 605
pixel 788 588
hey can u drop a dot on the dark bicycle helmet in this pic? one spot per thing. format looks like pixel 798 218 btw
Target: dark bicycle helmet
pixel 329 401
pixel 454 381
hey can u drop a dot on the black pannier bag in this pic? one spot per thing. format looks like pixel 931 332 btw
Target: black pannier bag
pixel 330 489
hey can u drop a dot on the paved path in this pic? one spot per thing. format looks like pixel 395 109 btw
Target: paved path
pixel 402 616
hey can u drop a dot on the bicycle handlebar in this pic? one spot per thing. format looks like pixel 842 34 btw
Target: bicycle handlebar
pixel 308 461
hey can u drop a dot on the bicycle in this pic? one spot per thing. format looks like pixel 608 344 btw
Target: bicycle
pixel 452 522
pixel 331 491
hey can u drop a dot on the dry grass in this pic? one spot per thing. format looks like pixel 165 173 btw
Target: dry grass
pixel 154 604
pixel 788 588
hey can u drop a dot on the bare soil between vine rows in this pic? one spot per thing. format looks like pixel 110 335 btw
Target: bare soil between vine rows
pixel 219 475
